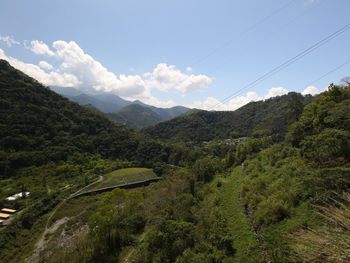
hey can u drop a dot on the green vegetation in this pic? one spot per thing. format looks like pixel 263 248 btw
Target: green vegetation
pixel 122 176
pixel 38 126
pixel 331 242
pixel 273 116
pixel 244 239
pixel 284 182
pixel 254 199
pixel 135 116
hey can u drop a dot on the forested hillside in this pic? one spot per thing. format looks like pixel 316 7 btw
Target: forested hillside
pixel 272 116
pixel 135 116
pixel 52 147
pixel 132 114
pixel 39 126
pixel 254 200
pixel 285 185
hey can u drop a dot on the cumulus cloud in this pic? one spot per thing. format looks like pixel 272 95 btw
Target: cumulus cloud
pixel 45 65
pixel 275 91
pixel 8 40
pixel 51 78
pixel 165 77
pixel 236 102
pixel 310 90
pixel 78 69
pixel 40 48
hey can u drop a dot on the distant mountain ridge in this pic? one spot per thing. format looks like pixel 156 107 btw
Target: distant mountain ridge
pixel 271 116
pixel 134 114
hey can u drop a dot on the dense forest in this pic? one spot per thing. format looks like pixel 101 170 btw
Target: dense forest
pixel 272 116
pixel 277 195
pixel 39 126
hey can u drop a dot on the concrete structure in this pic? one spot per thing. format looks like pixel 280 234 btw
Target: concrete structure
pixel 16 196
pixel 122 186
pixel 8 211
pixel 4 216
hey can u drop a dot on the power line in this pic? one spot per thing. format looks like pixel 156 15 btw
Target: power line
pixel 328 73
pixel 287 63
pixel 244 32
pixel 312 7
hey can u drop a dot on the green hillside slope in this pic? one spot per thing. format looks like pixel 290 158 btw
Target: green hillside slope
pixel 274 115
pixel 285 185
pixel 38 126
pixel 135 116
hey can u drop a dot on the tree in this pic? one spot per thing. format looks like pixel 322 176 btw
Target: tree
pixel 118 217
pixel 206 168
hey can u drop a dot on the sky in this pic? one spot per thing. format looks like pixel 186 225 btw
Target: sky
pixel 193 53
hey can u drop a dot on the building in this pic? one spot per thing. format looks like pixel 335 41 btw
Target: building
pixel 4 216
pixel 8 211
pixel 16 196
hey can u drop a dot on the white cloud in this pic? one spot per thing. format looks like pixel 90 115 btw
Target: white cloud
pixel 40 48
pixel 165 77
pixel 92 75
pixel 80 70
pixel 275 91
pixel 208 104
pixel 151 100
pixel 45 65
pixel 51 78
pixel 312 90
pixel 8 40
pixel 236 102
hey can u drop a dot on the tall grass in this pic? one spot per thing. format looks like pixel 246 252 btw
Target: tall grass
pixel 330 243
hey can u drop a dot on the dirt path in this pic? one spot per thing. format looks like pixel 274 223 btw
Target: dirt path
pixel 68 198
pixel 40 244
pixel 132 250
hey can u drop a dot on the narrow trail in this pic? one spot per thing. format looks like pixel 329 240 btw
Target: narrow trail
pixel 238 225
pixel 254 228
pixel 40 244
pixel 248 242
pixel 68 198
pixel 132 250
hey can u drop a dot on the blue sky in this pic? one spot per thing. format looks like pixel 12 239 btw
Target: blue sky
pixel 187 52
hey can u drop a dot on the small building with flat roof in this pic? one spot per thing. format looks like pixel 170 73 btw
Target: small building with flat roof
pixel 8 210
pixel 18 195
pixel 4 216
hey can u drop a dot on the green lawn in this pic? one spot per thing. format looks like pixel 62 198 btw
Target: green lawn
pixel 128 175
pixel 245 243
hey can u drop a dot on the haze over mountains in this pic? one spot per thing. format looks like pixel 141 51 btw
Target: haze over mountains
pixel 134 114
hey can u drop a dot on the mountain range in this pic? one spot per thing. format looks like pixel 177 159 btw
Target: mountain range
pixel 133 114
pixel 271 116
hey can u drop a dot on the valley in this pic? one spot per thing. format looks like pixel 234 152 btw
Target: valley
pixel 259 184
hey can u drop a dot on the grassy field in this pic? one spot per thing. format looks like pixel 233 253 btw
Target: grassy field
pixel 121 176
pixel 247 249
